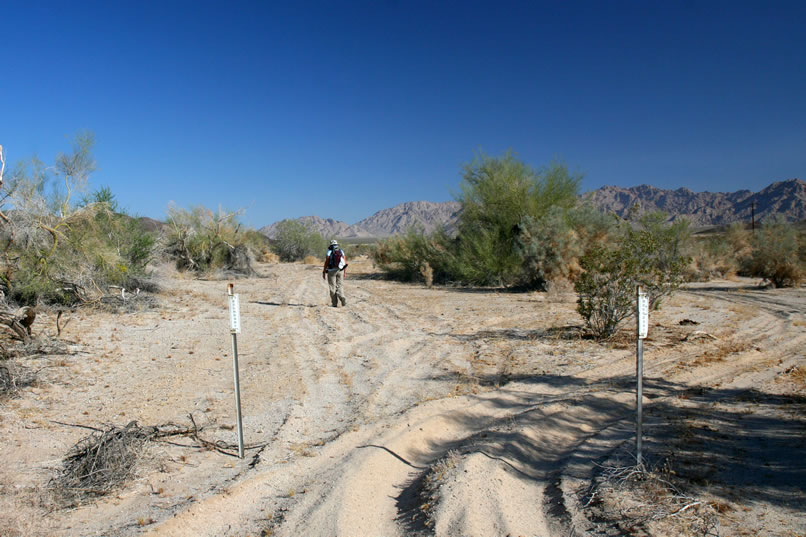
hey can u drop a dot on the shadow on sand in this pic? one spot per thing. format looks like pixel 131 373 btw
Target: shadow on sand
pixel 731 443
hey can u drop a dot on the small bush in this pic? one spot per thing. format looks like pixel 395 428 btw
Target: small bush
pixel 650 256
pixel 14 376
pixel 404 256
pixel 778 254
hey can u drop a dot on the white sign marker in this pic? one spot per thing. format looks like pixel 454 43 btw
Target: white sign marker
pixel 234 314
pixel 643 314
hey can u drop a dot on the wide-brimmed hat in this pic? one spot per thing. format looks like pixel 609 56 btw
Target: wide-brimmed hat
pixel 334 242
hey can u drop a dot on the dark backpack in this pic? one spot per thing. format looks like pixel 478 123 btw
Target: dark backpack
pixel 335 258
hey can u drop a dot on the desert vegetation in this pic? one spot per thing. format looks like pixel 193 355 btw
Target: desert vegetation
pixel 204 241
pixel 295 240
pixel 525 228
pixel 415 403
pixel 61 244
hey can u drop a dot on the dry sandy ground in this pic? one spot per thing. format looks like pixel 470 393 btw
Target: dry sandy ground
pixel 417 411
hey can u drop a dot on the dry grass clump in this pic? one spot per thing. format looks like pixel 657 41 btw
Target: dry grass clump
pixel 797 374
pixel 14 376
pixel 431 483
pixel 428 275
pixel 311 260
pixel 722 352
pixel 37 346
pixel 20 509
pixel 127 302
pixel 640 500
pixel 108 458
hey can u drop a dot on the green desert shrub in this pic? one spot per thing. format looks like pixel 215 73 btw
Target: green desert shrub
pixel 508 209
pixel 201 240
pixel 650 255
pixel 294 240
pixel 778 254
pixel 404 257
pixel 56 250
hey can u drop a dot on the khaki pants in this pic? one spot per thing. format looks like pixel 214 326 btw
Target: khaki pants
pixel 335 284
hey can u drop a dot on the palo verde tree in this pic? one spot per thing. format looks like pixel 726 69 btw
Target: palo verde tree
pixel 58 247
pixel 294 240
pixel 500 196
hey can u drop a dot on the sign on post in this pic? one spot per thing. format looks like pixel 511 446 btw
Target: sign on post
pixel 643 313
pixel 234 314
pixel 235 328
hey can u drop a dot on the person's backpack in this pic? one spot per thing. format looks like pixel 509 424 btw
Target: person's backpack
pixel 336 255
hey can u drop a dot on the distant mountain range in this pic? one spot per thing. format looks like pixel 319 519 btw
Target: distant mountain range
pixel 425 215
pixel 786 198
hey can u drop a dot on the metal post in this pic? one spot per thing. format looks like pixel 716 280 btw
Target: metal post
pixel 639 375
pixel 235 373
pixel 639 394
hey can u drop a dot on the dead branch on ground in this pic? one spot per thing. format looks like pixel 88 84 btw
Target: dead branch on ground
pixel 106 459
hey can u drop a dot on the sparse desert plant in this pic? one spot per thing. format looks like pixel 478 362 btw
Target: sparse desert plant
pixel 101 462
pixel 636 496
pixel 14 376
pixel 428 275
pixel 650 256
pixel 778 255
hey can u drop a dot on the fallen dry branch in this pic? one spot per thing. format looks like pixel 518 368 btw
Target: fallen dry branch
pixel 106 459
pixel 12 322
pixel 101 462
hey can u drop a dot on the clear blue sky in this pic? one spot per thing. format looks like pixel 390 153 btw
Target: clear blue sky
pixel 341 109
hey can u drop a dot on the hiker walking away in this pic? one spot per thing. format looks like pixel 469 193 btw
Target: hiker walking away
pixel 335 266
